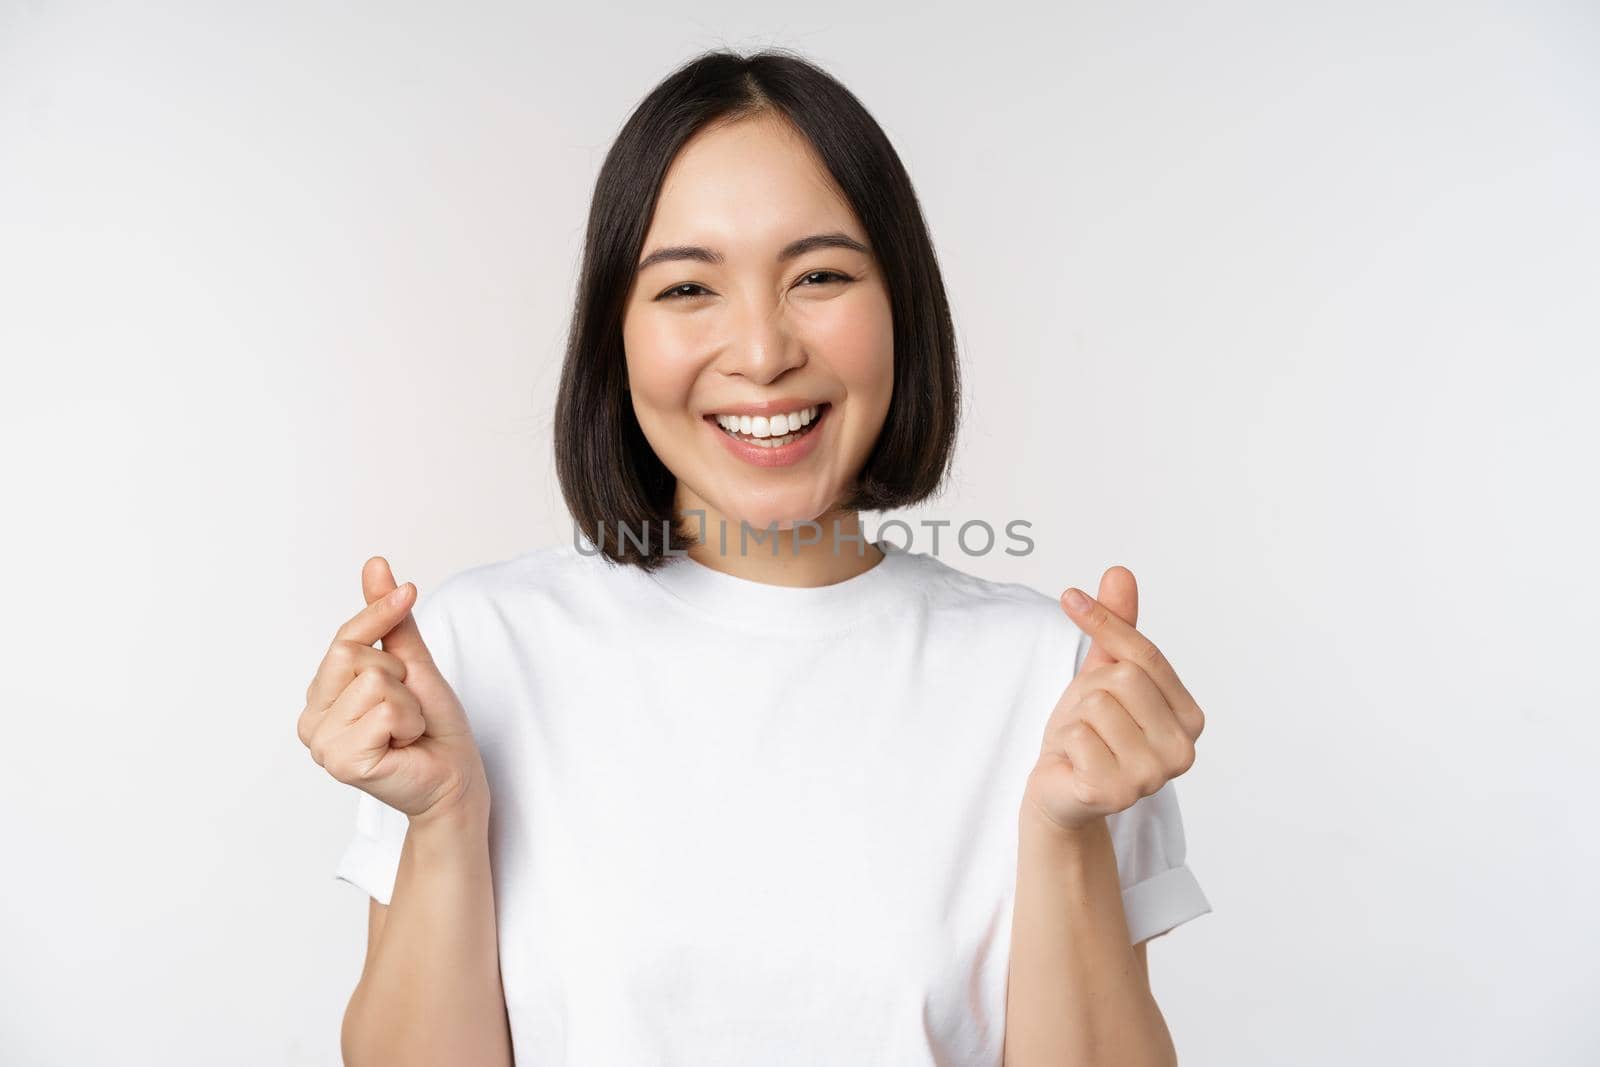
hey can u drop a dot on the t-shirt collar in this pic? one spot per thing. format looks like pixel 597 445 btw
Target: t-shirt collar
pixel 731 598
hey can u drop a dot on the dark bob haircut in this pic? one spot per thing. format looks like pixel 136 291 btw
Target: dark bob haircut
pixel 610 476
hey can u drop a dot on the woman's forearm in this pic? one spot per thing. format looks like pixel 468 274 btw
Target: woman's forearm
pixel 431 990
pixel 1076 995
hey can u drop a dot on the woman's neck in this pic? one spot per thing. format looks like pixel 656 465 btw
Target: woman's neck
pixel 805 554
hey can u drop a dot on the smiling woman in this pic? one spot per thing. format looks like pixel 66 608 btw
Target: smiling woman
pixel 808 317
pixel 755 247
pixel 665 800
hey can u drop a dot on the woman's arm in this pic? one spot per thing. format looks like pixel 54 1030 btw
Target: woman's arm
pixel 430 991
pixel 1125 726
pixel 1078 993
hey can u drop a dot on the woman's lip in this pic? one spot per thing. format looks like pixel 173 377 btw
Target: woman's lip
pixel 782 456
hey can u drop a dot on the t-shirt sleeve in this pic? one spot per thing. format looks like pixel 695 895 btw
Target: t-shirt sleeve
pixel 1159 891
pixel 371 857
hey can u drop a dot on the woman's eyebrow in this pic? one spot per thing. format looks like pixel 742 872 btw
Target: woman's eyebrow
pixel 788 252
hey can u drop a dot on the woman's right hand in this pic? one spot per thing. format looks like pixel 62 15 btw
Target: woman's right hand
pixel 385 720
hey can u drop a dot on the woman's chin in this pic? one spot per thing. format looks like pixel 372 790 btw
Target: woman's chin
pixel 782 511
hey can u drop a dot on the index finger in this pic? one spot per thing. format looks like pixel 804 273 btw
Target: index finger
pixel 1126 643
pixel 379 617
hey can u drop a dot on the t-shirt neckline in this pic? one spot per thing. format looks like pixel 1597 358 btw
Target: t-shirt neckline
pixel 785 607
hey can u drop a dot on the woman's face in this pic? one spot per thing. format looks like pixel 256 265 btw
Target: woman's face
pixel 750 325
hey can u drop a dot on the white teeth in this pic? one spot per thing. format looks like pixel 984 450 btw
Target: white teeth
pixel 761 426
pixel 769 432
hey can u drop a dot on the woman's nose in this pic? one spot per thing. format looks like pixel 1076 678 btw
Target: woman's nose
pixel 761 346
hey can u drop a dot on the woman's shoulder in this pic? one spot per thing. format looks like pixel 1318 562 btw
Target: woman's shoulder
pixel 950 584
pixel 995 623
pixel 991 602
pixel 547 573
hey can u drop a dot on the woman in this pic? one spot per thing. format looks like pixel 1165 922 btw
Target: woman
pixel 723 782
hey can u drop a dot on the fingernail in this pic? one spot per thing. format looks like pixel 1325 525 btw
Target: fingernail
pixel 1076 600
pixel 394 596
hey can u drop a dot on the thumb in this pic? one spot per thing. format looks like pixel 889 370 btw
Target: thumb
pixel 1119 592
pixel 403 639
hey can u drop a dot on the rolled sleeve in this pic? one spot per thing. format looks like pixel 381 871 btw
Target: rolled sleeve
pixel 1162 902
pixel 371 859
pixel 1159 891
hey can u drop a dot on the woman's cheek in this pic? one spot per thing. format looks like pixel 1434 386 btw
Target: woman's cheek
pixel 858 338
pixel 661 364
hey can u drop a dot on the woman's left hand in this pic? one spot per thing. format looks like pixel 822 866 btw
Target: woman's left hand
pixel 1124 726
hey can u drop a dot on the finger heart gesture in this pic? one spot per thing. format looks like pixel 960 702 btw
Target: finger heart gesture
pixel 1124 726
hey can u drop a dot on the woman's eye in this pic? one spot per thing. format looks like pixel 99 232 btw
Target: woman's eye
pixel 831 274
pixel 677 291
pixel 675 294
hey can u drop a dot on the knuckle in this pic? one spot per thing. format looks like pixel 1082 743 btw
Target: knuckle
pixel 408 703
pixel 1075 690
pixel 1055 738
pixel 342 764
pixel 1087 793
pixel 397 666
pixel 1125 673
pixel 372 681
pixel 1185 758
pixel 1149 656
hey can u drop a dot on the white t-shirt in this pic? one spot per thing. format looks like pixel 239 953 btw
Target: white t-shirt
pixel 737 823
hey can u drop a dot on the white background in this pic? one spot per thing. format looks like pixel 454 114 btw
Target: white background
pixel 1290 308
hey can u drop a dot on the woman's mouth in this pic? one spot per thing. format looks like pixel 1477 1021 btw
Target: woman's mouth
pixel 770 441
pixel 774 432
